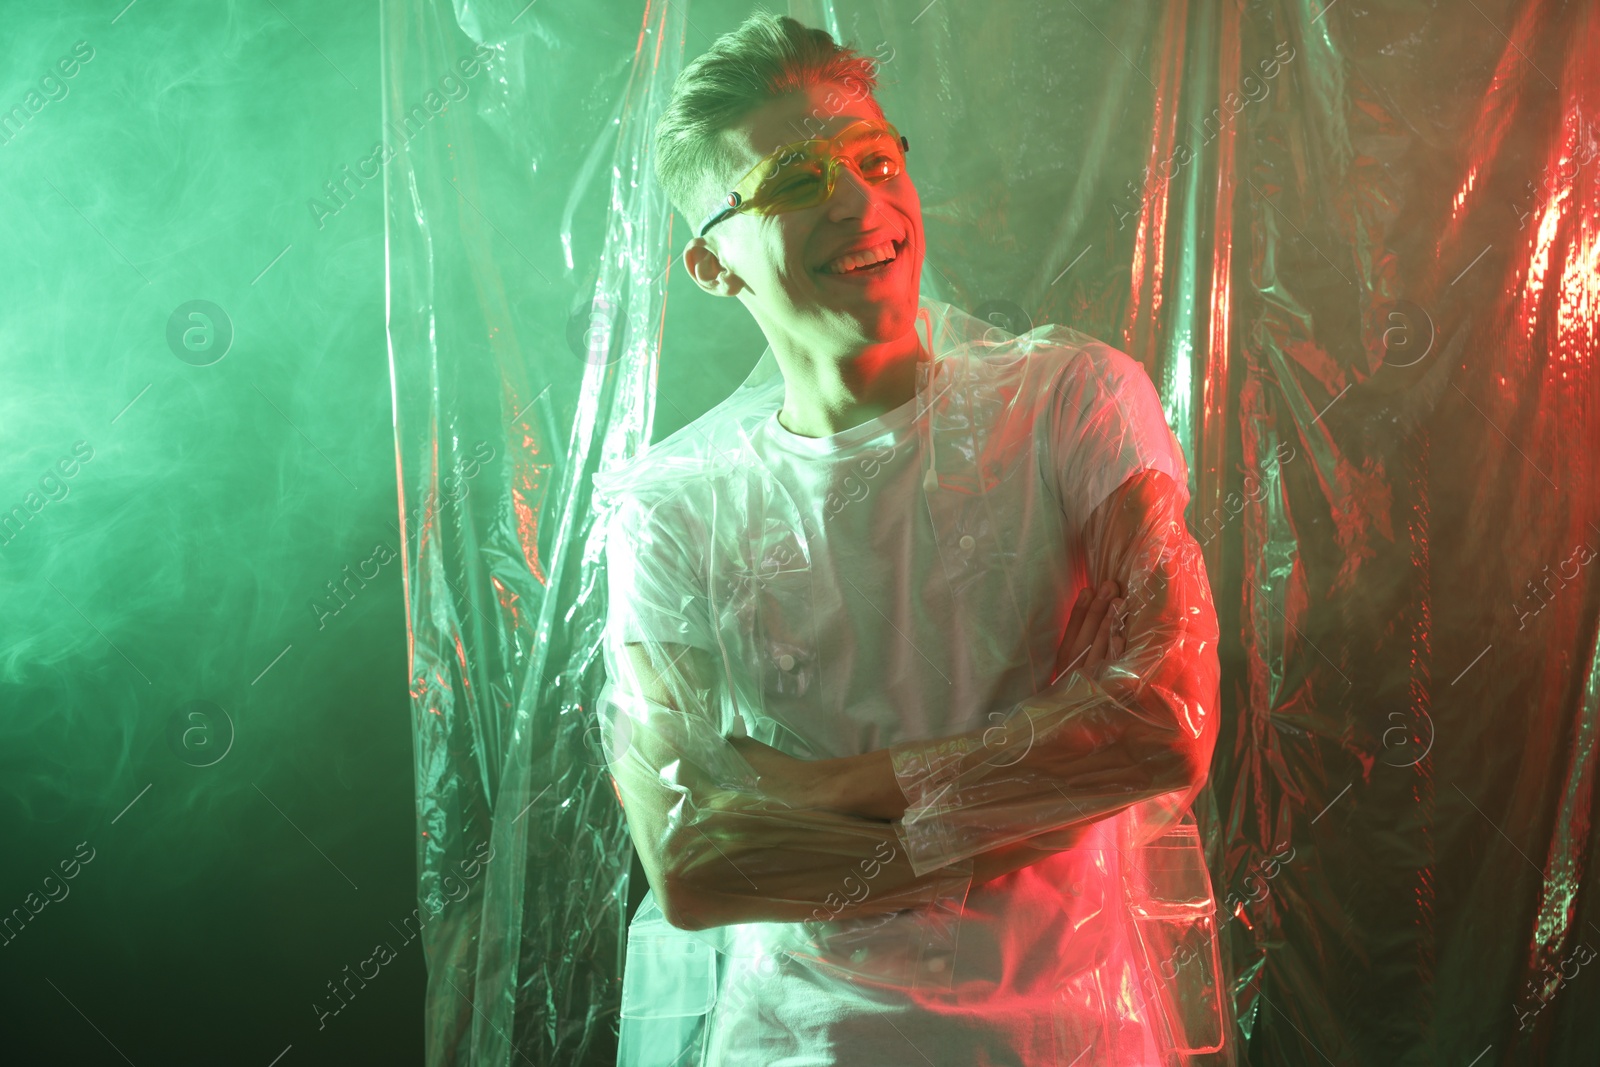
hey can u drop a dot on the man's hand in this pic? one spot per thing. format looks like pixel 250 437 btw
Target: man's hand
pixel 1094 632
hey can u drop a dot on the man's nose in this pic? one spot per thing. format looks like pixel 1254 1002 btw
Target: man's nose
pixel 852 194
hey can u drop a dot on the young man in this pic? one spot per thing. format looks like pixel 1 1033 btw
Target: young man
pixel 902 794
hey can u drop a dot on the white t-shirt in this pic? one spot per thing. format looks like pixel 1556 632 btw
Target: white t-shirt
pixel 862 629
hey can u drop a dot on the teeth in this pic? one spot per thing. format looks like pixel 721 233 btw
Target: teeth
pixel 860 259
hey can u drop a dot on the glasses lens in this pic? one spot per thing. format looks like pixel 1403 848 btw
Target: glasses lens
pixel 797 177
pixel 875 152
pixel 798 180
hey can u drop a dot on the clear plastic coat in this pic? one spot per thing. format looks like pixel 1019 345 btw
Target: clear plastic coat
pixel 1042 464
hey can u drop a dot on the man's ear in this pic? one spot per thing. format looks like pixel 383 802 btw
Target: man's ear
pixel 708 270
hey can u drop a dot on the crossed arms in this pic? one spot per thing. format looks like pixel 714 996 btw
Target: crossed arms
pixel 730 831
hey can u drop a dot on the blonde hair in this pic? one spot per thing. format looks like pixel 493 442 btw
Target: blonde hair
pixel 767 57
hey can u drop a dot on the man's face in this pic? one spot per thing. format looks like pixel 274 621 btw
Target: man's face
pixel 775 263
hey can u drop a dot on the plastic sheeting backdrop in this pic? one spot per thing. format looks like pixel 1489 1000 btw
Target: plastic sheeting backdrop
pixel 1354 245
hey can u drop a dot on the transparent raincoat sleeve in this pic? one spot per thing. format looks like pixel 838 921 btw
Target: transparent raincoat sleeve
pixel 716 849
pixel 1138 736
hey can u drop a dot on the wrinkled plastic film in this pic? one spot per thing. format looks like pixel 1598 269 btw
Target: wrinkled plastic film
pixel 499 419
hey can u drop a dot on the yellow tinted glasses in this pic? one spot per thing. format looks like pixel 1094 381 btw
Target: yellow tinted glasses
pixel 803 174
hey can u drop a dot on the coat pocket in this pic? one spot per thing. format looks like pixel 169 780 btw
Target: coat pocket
pixel 1174 917
pixel 669 986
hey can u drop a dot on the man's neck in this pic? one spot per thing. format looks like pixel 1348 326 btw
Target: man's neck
pixel 825 397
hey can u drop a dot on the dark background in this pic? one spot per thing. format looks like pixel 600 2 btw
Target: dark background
pixel 244 855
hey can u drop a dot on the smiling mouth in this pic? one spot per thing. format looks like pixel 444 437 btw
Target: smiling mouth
pixel 883 267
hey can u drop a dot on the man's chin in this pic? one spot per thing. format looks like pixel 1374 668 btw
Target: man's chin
pixel 884 319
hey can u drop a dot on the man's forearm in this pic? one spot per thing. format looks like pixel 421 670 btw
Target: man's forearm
pixel 745 859
pixel 840 848
pixel 833 867
pixel 862 785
